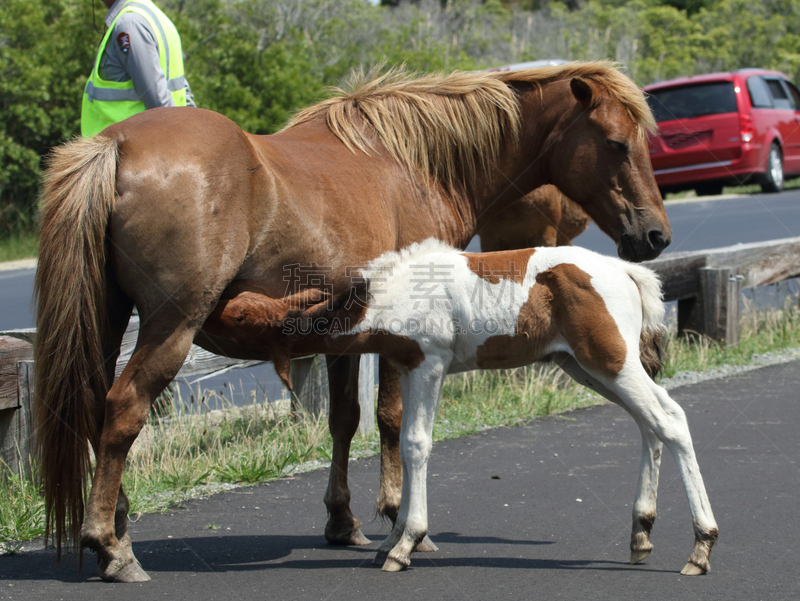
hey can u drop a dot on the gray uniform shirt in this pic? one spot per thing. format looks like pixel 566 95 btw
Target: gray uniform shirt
pixel 132 54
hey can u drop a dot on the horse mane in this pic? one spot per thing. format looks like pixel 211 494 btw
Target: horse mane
pixel 605 74
pixel 451 126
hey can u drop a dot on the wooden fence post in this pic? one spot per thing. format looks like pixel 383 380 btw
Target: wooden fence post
pixel 311 392
pixel 366 394
pixel 719 295
pixel 714 312
pixel 310 384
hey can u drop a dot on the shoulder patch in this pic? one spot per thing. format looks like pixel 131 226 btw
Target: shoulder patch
pixel 124 41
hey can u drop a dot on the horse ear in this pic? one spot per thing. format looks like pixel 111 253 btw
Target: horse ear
pixel 581 90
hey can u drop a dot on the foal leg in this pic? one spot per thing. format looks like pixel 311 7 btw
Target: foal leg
pixel 421 391
pixel 668 420
pixel 390 414
pixel 154 363
pixel 342 528
pixel 644 507
pixel 653 408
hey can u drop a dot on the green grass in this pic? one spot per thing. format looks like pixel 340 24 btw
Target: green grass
pixel 184 450
pixel 18 244
pixel 760 332
pixel 21 511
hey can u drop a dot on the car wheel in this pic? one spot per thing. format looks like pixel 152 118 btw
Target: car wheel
pixel 710 189
pixel 773 178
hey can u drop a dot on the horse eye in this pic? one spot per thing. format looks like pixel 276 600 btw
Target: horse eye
pixel 619 146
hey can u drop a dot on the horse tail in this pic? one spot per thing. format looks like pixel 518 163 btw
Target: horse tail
pixel 70 378
pixel 651 342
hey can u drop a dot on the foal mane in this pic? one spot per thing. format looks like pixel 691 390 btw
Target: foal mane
pixel 451 126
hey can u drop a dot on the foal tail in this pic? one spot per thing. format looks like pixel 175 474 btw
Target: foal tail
pixel 70 378
pixel 651 342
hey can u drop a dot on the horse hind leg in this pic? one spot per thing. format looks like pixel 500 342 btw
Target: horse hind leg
pixel 119 311
pixel 342 528
pixel 153 364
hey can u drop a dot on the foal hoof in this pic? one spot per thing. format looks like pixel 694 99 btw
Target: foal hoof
pixel 393 565
pixel 380 558
pixel 426 545
pixel 639 555
pixel 131 572
pixel 692 569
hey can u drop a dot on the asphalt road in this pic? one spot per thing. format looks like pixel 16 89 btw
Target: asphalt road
pixel 697 224
pixel 554 524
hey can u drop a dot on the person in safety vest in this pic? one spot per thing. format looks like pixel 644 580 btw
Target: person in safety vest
pixel 139 66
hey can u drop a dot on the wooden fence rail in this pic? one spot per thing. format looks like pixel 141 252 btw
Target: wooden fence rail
pixel 705 283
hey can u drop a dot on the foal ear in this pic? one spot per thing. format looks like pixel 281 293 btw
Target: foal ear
pixel 581 90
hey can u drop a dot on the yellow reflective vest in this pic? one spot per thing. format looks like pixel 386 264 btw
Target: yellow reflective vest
pixel 108 102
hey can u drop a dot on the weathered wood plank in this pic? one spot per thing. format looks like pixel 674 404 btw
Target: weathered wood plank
pixel 12 350
pixel 15 425
pixel 761 263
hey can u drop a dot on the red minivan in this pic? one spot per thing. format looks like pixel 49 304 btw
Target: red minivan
pixel 725 129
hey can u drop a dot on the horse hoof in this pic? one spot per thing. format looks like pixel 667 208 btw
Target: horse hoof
pixel 393 565
pixel 692 569
pixel 639 555
pixel 125 541
pixel 131 572
pixel 380 558
pixel 354 538
pixel 358 539
pixel 345 536
pixel 426 545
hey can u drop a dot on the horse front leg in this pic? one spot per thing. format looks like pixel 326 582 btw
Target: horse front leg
pixel 342 528
pixel 390 415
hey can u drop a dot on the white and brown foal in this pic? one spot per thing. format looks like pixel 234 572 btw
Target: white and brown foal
pixel 432 310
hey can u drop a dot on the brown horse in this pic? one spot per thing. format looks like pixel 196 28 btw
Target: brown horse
pixel 175 209
pixel 545 217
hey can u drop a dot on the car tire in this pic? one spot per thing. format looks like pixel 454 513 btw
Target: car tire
pixel 773 178
pixel 709 189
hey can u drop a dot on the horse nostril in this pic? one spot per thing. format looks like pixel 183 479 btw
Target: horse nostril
pixel 657 239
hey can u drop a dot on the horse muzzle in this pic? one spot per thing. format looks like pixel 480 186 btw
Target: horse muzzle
pixel 643 247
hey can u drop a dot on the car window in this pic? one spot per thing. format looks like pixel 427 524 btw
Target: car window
pixel 779 96
pixel 686 102
pixel 759 93
pixel 794 93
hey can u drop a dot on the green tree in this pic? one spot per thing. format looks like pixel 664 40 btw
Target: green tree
pixel 45 47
